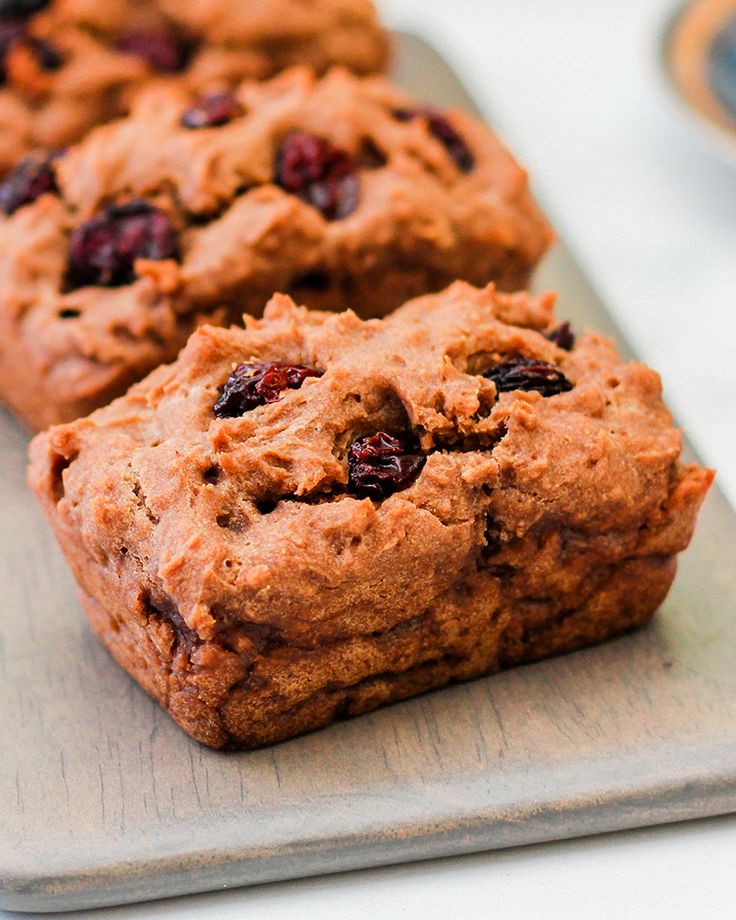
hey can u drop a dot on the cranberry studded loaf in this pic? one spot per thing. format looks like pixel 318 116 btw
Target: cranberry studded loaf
pixel 316 515
pixel 68 65
pixel 340 190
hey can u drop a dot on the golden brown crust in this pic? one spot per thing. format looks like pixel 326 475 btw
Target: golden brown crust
pixel 420 223
pixel 96 81
pixel 229 566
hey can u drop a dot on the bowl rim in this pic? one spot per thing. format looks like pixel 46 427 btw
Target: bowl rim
pixel 718 139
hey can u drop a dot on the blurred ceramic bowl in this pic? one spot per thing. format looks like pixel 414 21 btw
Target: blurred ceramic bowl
pixel 698 64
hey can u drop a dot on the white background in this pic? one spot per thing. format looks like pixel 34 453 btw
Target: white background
pixel 570 83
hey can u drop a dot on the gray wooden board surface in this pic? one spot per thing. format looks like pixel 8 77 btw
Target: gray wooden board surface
pixel 104 800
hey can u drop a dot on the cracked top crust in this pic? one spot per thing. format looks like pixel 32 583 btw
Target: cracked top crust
pixel 416 221
pixel 245 528
pixel 70 66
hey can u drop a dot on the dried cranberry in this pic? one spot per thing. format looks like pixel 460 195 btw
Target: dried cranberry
pixel 440 127
pixel 21 9
pixel 211 111
pixel 563 336
pixel 165 51
pixel 382 464
pixel 528 374
pixel 253 385
pixel 32 177
pixel 104 250
pixel 319 173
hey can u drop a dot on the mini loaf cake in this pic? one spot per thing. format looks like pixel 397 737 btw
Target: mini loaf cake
pixel 340 190
pixel 316 515
pixel 68 65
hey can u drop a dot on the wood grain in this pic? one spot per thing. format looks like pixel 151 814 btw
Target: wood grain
pixel 103 800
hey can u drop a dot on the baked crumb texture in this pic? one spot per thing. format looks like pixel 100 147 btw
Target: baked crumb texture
pixel 229 567
pixel 414 200
pixel 69 65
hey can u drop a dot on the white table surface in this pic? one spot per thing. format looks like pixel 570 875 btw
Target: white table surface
pixel 653 220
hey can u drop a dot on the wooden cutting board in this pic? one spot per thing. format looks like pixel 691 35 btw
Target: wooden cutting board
pixel 103 800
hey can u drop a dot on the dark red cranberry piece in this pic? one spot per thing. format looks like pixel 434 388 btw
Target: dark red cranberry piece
pixel 440 127
pixel 21 9
pixel 530 375
pixel 319 173
pixel 382 464
pixel 165 51
pixel 253 385
pixel 563 336
pixel 32 177
pixel 211 111
pixel 104 250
